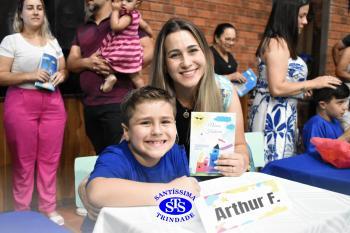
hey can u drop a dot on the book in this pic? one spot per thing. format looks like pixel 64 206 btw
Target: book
pixel 230 205
pixel 211 134
pixel 244 88
pixel 50 64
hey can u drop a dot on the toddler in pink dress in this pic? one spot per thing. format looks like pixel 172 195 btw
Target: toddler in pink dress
pixel 122 48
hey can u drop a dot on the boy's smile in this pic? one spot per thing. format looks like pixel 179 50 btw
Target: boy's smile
pixel 151 131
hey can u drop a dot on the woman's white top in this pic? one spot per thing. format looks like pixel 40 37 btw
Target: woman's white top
pixel 26 57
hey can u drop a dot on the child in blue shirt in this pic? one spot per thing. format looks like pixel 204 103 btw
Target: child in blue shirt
pixel 331 104
pixel 148 161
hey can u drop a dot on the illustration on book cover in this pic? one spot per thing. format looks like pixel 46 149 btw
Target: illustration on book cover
pixel 212 134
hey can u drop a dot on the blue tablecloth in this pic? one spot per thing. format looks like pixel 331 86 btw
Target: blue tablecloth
pixel 28 222
pixel 312 171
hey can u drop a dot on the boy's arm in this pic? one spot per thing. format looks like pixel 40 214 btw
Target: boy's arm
pixel 312 128
pixel 317 129
pixel 345 136
pixel 115 192
pixel 145 26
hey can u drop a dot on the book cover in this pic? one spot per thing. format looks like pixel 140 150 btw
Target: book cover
pixel 244 88
pixel 50 64
pixel 212 134
pixel 227 209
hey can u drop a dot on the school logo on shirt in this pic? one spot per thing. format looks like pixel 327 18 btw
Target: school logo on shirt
pixel 175 205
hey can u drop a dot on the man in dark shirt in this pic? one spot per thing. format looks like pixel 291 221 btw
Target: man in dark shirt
pixel 101 110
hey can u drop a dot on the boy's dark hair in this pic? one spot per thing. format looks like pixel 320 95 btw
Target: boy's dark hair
pixel 326 94
pixel 142 95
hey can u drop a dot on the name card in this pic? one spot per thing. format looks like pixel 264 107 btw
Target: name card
pixel 232 208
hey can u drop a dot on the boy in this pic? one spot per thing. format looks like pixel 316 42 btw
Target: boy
pixel 148 161
pixel 331 104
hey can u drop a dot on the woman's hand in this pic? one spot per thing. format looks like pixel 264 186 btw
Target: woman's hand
pixel 308 95
pixel 326 81
pixel 231 164
pixel 58 77
pixel 92 211
pixel 237 77
pixel 38 75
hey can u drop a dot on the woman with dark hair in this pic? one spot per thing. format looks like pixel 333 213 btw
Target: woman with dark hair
pixel 34 119
pixel 224 63
pixel 282 79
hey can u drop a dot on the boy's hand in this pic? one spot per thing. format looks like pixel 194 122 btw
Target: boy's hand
pixel 345 136
pixel 188 184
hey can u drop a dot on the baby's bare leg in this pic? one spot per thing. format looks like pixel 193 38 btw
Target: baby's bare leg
pixel 110 81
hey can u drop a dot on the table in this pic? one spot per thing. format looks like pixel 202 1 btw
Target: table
pixel 314 210
pixel 28 222
pixel 312 171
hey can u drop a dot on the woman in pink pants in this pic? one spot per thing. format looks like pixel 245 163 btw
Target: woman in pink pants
pixel 34 119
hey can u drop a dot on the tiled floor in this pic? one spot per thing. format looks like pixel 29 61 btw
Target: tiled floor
pixel 71 219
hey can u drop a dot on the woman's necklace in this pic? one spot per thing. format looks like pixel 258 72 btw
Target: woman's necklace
pixel 186 111
pixel 186 114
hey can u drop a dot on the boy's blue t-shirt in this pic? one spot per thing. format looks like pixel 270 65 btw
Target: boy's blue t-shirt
pixel 117 161
pixel 319 127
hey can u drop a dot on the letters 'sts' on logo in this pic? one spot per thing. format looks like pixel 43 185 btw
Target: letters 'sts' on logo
pixel 175 205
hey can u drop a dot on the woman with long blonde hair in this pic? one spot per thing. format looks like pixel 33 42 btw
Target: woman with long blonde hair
pixel 182 65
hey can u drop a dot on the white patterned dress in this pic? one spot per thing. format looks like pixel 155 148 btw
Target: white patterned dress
pixel 277 116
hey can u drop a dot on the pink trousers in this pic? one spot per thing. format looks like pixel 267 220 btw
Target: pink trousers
pixel 34 123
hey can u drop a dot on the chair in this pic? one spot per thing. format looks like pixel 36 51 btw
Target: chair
pixel 82 168
pixel 256 141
